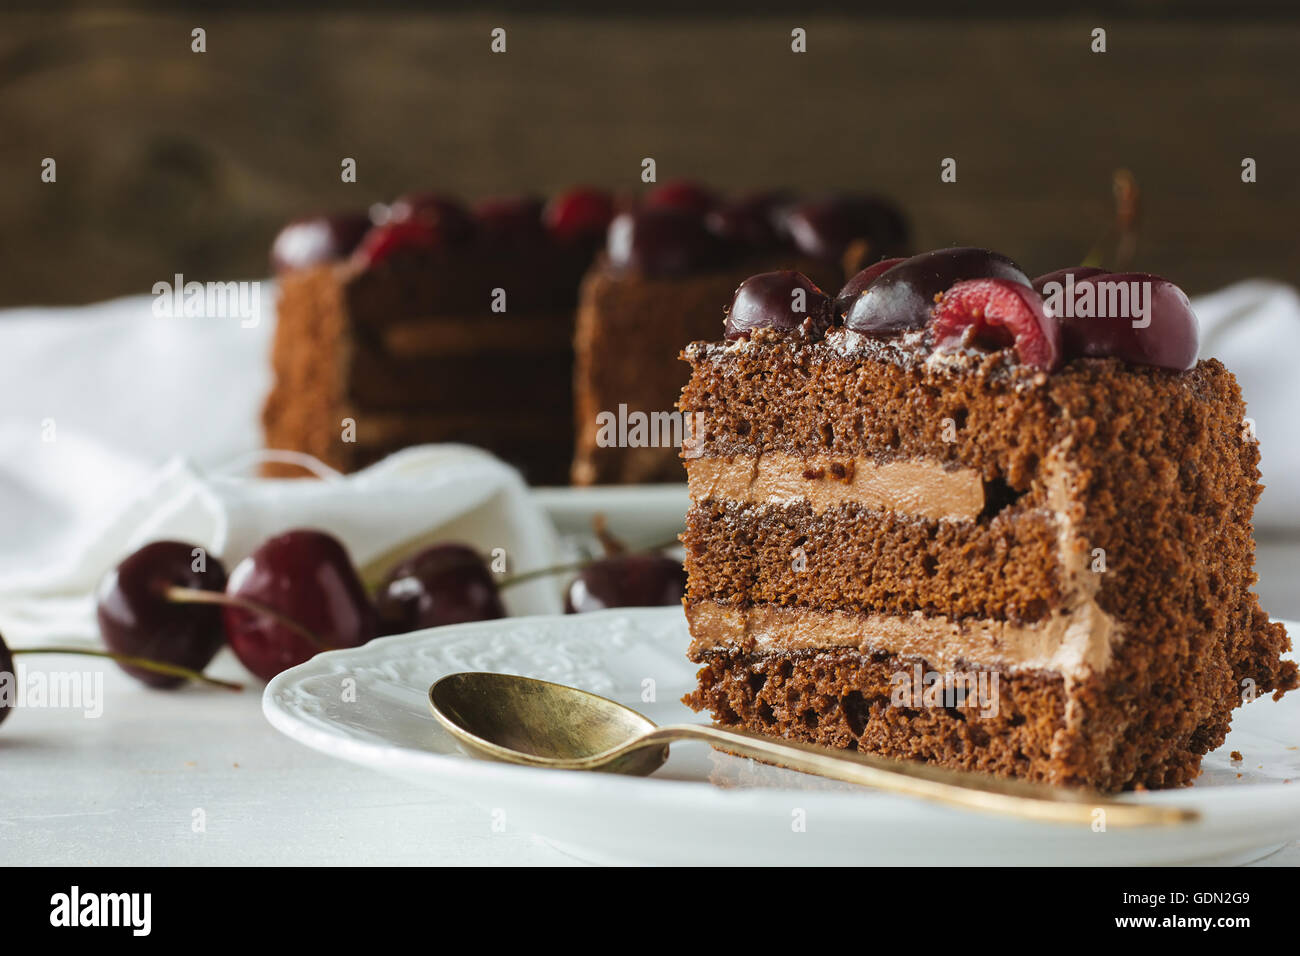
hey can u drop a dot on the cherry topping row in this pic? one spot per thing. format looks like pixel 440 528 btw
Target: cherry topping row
pixel 426 221
pixel 682 228
pixel 967 298
pixel 678 227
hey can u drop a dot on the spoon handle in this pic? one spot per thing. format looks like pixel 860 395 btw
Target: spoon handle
pixel 971 790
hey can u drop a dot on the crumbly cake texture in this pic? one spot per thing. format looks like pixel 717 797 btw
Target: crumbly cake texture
pixel 1147 468
pixel 410 351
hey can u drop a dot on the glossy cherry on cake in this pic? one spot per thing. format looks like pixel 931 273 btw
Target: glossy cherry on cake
pixel 747 221
pixel 443 584
pixel 393 238
pixel 510 220
pixel 777 300
pixel 904 296
pixel 824 228
pixel 661 242
pixel 858 284
pixel 138 618
pixel 684 194
pixel 317 239
pixel 306 579
pixel 993 314
pixel 1062 276
pixel 1166 337
pixel 450 217
pixel 579 213
pixel 626 580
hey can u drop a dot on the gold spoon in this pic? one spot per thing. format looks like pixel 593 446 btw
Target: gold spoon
pixel 539 724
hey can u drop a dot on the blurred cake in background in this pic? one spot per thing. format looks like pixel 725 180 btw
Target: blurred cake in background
pixel 387 335
pixel 432 321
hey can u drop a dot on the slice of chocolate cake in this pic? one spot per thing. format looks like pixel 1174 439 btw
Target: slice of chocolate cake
pixel 667 266
pixel 959 517
pixel 437 325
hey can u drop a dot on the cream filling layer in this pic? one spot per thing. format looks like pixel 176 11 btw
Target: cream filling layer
pixel 1074 644
pixel 1076 640
pixel 917 487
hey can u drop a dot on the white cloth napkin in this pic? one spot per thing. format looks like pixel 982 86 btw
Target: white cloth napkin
pixel 1254 329
pixel 461 493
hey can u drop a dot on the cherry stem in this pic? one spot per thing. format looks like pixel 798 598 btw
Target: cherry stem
pixel 183 595
pixel 572 566
pixel 144 663
pixel 1121 234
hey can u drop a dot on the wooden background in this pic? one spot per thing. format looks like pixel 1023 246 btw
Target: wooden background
pixel 172 161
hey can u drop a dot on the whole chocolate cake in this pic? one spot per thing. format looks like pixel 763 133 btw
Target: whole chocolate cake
pixel 957 516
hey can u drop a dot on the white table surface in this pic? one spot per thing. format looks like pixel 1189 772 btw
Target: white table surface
pixel 122 789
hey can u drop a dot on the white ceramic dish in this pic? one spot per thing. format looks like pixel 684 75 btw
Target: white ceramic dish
pixel 705 807
pixel 642 515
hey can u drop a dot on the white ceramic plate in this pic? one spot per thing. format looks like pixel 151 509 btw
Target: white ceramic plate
pixel 642 515
pixel 707 807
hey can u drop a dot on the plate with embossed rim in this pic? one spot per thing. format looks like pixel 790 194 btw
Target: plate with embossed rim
pixel 705 807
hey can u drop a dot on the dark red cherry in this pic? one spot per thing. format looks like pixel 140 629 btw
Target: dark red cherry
pixel 858 284
pixel 684 194
pixel 7 675
pixel 1060 276
pixel 777 300
pixel 824 228
pixel 510 221
pixel 626 580
pixel 904 296
pixel 1140 318
pixel 306 577
pixel 444 584
pixel 136 618
pixel 748 221
pixel 392 238
pixel 661 242
pixel 451 219
pixel 580 213
pixel 994 314
pixel 312 241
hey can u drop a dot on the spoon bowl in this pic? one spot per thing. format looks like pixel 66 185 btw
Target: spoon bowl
pixel 535 722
